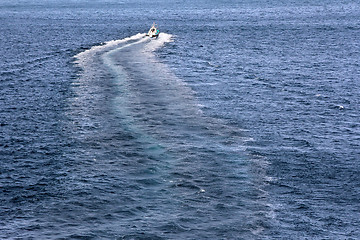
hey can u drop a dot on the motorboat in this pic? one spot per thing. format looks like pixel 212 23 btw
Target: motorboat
pixel 153 32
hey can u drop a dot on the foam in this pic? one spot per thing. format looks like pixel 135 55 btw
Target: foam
pixel 82 57
pixel 158 42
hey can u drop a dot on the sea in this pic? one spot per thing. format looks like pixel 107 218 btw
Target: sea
pixel 240 121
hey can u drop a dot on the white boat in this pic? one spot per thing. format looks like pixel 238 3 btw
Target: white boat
pixel 153 32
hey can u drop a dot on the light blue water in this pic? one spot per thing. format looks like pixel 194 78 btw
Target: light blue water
pixel 241 121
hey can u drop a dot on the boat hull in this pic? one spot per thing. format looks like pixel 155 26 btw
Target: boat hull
pixel 153 36
pixel 153 32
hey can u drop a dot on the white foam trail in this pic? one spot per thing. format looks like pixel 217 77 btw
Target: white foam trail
pixel 112 51
pixel 82 58
pixel 159 42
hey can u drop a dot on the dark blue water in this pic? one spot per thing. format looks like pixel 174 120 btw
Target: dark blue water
pixel 241 121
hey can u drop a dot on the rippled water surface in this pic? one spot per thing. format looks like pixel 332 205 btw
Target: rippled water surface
pixel 240 121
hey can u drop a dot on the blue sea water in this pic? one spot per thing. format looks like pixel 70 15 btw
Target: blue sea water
pixel 241 121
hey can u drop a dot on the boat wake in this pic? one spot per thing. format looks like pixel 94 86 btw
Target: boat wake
pixel 129 105
pixel 150 99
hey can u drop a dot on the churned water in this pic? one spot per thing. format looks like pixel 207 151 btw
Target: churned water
pixel 240 121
